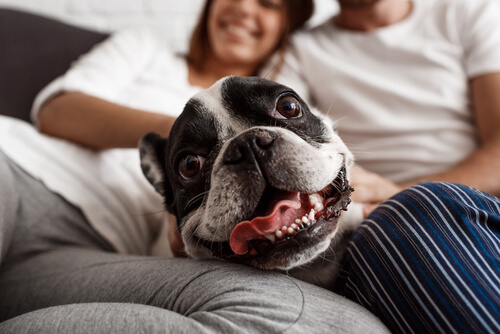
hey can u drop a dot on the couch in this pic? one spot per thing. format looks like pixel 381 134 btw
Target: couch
pixel 35 50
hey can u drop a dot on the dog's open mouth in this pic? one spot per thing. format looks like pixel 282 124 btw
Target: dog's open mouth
pixel 286 219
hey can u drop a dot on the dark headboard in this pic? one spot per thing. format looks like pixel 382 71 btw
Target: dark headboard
pixel 34 50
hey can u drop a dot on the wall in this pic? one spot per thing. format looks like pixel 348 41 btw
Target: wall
pixel 174 19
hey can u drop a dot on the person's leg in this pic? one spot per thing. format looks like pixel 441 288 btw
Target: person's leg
pixel 56 259
pixel 8 207
pixel 203 296
pixel 40 220
pixel 428 260
pixel 97 318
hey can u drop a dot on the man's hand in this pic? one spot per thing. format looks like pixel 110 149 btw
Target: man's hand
pixel 371 189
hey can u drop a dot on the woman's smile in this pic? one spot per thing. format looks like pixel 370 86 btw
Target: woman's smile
pixel 244 32
pixel 238 32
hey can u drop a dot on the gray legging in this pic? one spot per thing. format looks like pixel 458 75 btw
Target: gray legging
pixel 58 275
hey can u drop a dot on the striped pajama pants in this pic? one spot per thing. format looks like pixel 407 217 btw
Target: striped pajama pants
pixel 428 261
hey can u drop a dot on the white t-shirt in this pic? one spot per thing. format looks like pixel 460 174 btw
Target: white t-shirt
pixel 400 93
pixel 133 68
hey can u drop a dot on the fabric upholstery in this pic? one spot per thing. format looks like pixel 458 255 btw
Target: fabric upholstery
pixel 34 51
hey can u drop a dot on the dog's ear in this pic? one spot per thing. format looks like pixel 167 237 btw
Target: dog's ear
pixel 152 150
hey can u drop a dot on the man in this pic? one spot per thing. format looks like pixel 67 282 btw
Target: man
pixel 414 88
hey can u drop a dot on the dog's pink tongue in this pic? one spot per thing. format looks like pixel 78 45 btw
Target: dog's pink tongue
pixel 283 214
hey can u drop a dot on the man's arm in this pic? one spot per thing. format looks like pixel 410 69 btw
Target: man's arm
pixel 97 123
pixel 481 169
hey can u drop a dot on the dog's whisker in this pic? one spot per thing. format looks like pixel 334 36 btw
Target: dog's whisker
pixel 325 258
pixel 359 151
pixel 329 110
pixel 302 267
pixel 195 199
pixel 271 70
pixel 152 213
pixel 193 232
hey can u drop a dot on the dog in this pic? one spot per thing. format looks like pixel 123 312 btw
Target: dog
pixel 255 176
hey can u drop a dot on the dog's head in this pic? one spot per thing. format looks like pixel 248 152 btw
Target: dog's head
pixel 252 174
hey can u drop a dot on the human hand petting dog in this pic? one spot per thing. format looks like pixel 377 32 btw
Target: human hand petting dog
pixel 371 189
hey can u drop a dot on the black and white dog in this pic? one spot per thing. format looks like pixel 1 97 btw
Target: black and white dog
pixel 255 176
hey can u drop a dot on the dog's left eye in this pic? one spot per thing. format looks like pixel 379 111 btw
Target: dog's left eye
pixel 288 107
pixel 190 165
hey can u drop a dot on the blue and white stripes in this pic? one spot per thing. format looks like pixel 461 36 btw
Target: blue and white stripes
pixel 428 261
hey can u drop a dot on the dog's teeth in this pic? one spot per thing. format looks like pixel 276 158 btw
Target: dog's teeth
pixel 271 237
pixel 294 226
pixel 279 234
pixel 311 215
pixel 298 221
pixel 318 206
pixel 283 229
pixel 313 199
pixel 290 230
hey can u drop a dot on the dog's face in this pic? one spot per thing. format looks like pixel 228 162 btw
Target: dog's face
pixel 252 174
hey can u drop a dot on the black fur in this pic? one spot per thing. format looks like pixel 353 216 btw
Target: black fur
pixel 254 100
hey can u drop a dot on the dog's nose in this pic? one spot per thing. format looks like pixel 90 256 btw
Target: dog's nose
pixel 252 146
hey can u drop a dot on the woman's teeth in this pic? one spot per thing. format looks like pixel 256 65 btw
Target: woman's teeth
pixel 238 31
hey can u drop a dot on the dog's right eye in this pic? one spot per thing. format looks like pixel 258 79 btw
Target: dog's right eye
pixel 190 165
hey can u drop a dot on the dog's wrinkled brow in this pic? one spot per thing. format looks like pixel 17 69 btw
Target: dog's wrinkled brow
pixel 195 127
pixel 250 100
pixel 253 101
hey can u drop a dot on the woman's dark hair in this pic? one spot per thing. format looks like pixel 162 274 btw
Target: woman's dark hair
pixel 296 13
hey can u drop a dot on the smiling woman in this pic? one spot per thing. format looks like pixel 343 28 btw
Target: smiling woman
pixel 230 31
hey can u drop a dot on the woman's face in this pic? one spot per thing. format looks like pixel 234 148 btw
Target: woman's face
pixel 245 32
